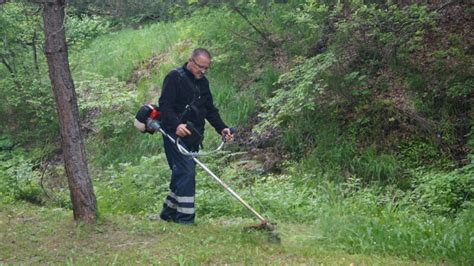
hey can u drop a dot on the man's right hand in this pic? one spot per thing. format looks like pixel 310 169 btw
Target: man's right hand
pixel 182 131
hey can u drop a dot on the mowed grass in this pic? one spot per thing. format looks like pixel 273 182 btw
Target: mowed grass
pixel 38 235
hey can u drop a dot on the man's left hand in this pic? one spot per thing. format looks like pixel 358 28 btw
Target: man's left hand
pixel 227 134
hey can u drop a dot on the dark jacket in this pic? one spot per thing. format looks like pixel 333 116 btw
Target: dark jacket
pixel 177 93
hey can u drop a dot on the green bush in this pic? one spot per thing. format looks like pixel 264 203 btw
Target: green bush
pixel 444 193
pixel 301 90
pixel 18 179
pixel 81 30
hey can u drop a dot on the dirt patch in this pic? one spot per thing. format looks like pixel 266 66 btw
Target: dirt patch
pixel 146 67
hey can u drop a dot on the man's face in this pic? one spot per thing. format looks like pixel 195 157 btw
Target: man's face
pixel 199 65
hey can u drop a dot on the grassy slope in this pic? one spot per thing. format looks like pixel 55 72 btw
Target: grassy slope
pixel 32 235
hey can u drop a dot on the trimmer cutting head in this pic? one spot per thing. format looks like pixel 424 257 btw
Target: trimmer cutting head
pixel 266 226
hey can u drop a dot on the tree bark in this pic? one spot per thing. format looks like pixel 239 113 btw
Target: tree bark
pixel 79 181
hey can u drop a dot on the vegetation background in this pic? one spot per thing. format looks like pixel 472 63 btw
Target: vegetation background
pixel 354 118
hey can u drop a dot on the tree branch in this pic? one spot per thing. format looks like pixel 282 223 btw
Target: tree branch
pixel 260 32
pixel 5 63
pixel 12 72
pixel 244 37
pixel 35 54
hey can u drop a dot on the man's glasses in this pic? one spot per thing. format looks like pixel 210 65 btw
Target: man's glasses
pixel 201 67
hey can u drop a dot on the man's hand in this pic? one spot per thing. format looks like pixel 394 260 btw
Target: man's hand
pixel 227 134
pixel 182 131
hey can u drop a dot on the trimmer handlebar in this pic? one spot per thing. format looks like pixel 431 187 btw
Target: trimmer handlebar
pixel 183 151
pixel 154 125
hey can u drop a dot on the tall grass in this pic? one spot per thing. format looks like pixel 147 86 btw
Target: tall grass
pixel 118 53
pixel 349 216
pixel 331 152
pixel 363 225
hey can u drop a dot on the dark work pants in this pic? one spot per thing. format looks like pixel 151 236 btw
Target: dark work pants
pixel 179 204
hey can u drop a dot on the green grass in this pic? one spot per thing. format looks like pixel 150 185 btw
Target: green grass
pixel 36 235
pixel 337 218
pixel 118 53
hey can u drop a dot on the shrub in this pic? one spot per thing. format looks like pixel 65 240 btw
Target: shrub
pixel 444 193
pixel 18 179
pixel 81 30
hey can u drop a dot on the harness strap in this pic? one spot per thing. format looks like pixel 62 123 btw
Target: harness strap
pixel 192 105
pixel 196 90
pixel 196 94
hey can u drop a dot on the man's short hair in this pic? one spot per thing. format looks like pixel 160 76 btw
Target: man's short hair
pixel 201 51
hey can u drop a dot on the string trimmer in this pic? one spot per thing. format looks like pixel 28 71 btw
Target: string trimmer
pixel 152 124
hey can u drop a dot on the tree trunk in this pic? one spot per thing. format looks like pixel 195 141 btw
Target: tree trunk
pixel 79 181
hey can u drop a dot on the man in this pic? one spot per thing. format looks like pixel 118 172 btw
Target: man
pixel 185 103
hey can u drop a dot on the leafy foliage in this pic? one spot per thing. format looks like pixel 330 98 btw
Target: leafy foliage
pixel 133 188
pixel 18 179
pixel 420 154
pixel 445 193
pixel 301 88
pixel 80 30
pixel 104 101
pixel 26 93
